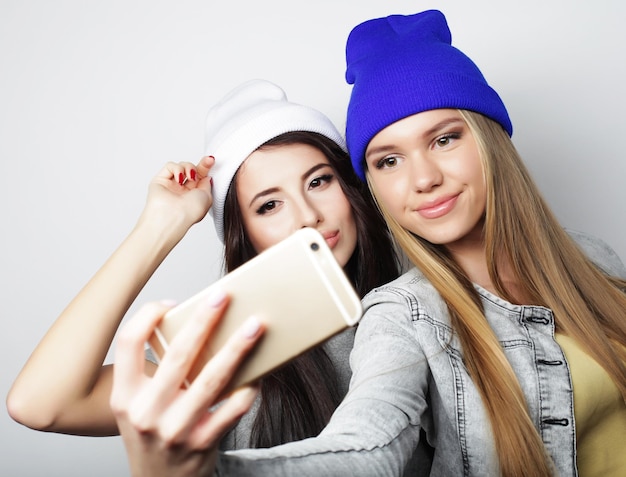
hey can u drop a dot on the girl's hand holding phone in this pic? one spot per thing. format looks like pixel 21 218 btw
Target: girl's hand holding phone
pixel 168 429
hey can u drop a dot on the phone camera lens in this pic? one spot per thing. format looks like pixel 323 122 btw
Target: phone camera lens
pixel 315 246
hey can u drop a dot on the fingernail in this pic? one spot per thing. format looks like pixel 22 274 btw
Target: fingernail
pixel 216 297
pixel 251 327
pixel 193 174
pixel 181 178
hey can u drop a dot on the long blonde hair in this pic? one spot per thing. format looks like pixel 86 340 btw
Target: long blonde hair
pixel 521 232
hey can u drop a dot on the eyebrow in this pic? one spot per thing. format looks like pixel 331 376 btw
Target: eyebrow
pixel 272 190
pixel 444 123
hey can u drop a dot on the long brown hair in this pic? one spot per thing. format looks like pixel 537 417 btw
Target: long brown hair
pixel 298 399
pixel 550 269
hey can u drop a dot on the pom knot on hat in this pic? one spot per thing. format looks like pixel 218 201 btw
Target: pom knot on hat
pixel 246 118
pixel 403 65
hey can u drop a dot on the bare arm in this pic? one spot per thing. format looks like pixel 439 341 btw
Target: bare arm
pixel 64 386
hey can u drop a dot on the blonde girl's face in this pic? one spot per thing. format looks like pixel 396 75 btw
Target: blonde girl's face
pixel 281 189
pixel 426 171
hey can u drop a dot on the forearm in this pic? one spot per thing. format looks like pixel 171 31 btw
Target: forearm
pixel 376 429
pixel 63 386
pixel 347 454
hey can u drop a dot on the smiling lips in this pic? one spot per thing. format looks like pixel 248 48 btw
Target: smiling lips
pixel 437 208
pixel 331 238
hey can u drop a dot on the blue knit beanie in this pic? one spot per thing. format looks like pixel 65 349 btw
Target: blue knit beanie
pixel 403 65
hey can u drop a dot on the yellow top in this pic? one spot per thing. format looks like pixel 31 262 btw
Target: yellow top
pixel 600 414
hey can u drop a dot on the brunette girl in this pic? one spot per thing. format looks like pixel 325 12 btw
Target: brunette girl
pixel 272 167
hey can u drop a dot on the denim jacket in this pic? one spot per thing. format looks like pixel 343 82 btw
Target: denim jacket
pixel 410 390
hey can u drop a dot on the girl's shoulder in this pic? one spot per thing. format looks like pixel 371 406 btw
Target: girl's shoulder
pixel 599 252
pixel 411 290
pixel 411 279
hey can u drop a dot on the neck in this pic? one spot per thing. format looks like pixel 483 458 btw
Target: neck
pixel 470 254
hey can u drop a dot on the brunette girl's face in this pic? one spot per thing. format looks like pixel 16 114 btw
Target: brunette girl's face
pixel 281 189
pixel 427 172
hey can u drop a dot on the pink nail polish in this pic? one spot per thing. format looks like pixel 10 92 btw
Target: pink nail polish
pixel 251 327
pixel 216 297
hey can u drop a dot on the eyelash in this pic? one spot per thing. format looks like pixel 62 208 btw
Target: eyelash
pixel 265 207
pixel 451 135
pixel 384 162
pixel 324 178
pixel 270 204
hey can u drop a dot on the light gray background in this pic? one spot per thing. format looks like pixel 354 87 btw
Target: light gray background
pixel 96 96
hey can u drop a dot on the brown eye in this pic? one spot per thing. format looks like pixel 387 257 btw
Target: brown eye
pixel 266 207
pixel 320 181
pixel 387 162
pixel 446 139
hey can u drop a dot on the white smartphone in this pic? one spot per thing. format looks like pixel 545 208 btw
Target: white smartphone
pixel 295 287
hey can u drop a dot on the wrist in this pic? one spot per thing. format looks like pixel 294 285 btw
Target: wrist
pixel 160 233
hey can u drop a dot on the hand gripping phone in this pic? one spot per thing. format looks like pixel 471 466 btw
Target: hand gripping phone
pixel 296 288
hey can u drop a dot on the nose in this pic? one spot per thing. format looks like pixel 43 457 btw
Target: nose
pixel 308 215
pixel 425 173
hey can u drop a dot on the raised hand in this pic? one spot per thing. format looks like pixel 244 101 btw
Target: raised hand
pixel 182 191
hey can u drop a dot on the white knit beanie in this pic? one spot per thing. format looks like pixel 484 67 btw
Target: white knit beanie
pixel 247 117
